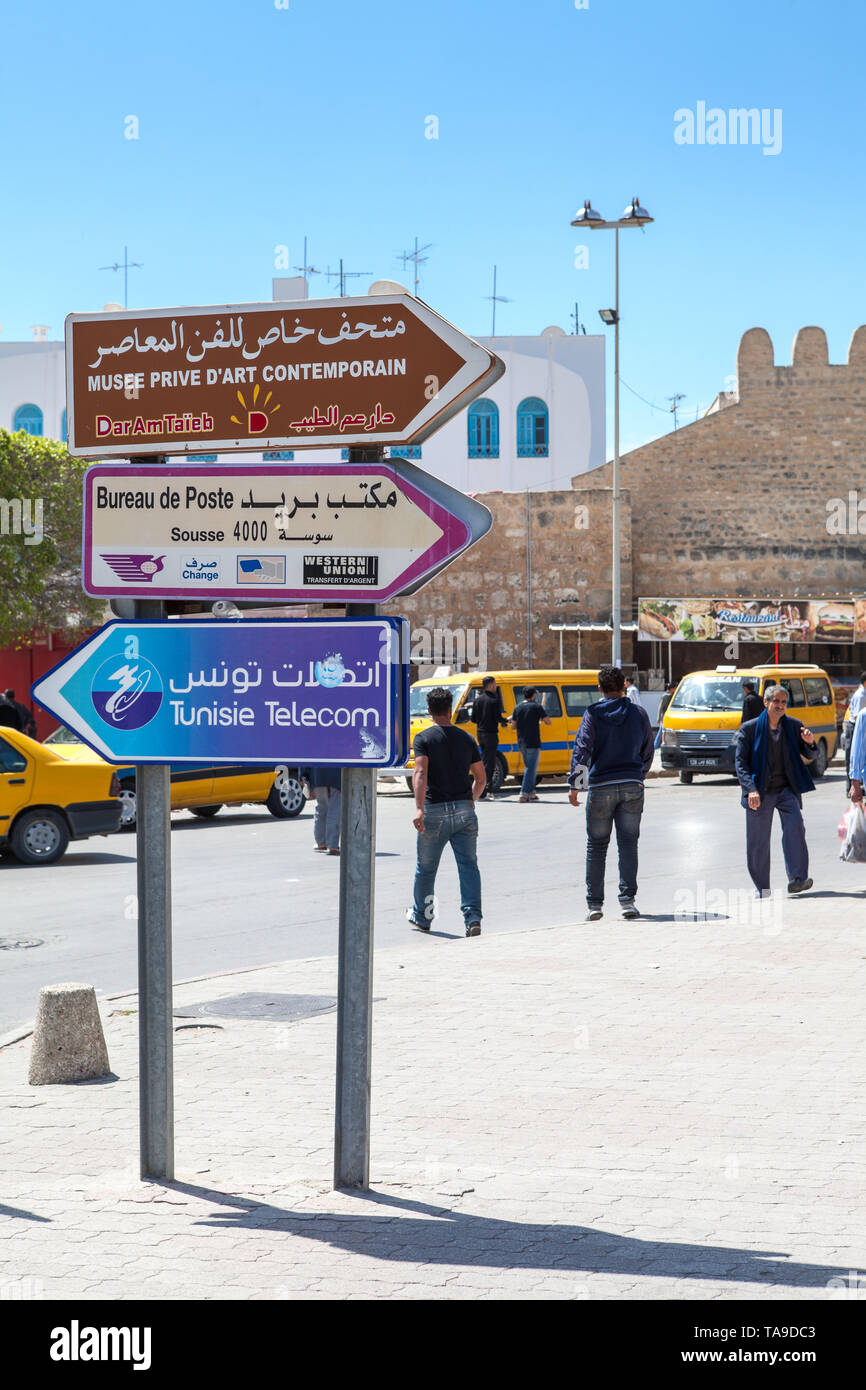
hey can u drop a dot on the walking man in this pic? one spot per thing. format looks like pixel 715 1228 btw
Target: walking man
pixel 9 715
pixel 448 780
pixel 526 719
pixel 488 715
pixel 327 785
pixel 613 753
pixel 753 705
pixel 632 691
pixel 771 770
pixel 25 714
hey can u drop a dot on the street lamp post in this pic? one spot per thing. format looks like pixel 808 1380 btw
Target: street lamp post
pixel 634 216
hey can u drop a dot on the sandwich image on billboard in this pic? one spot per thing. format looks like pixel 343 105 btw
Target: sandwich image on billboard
pixel 751 620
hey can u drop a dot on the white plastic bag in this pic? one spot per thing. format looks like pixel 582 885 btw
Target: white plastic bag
pixel 854 844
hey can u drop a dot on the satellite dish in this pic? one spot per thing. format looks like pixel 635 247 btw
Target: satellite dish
pixel 387 287
pixel 554 331
pixel 113 308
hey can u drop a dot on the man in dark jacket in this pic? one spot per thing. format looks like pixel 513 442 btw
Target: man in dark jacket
pixel 25 714
pixel 613 753
pixel 488 715
pixel 9 716
pixel 753 705
pixel 770 768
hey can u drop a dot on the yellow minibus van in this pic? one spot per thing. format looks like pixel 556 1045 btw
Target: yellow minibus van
pixel 566 695
pixel 700 725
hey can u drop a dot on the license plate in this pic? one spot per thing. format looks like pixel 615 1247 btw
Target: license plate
pixel 702 762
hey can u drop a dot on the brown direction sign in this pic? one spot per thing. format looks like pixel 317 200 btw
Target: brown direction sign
pixel 379 369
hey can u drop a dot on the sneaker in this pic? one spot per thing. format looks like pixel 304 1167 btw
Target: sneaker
pixel 629 911
pixel 473 929
pixel 593 914
pixel 413 922
pixel 799 885
pixel 320 849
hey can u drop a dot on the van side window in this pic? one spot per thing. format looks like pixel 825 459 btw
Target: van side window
pixel 817 691
pixel 552 702
pixel 10 759
pixel 578 699
pixel 794 688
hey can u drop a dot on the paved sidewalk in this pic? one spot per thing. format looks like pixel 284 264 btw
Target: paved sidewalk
pixel 655 1109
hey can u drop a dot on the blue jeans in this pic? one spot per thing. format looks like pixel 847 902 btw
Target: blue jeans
pixel 530 765
pixel 618 804
pixel 445 822
pixel 326 822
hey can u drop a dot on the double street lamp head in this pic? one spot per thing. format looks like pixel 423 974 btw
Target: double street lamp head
pixel 633 216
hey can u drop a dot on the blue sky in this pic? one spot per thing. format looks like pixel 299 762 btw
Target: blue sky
pixel 258 126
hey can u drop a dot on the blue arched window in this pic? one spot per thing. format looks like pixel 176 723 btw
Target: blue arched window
pixel 28 418
pixel 532 430
pixel 483 424
pixel 278 456
pixel 203 458
pixel 405 451
pixel 63 431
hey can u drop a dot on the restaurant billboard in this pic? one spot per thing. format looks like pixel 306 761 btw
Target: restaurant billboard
pixel 837 620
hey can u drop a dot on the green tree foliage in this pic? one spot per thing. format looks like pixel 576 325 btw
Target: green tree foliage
pixel 40 580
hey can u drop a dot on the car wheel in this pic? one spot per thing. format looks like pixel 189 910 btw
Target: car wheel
pixel 286 797
pixel 819 766
pixel 687 778
pixel 410 783
pixel 39 837
pixel 206 812
pixel 126 797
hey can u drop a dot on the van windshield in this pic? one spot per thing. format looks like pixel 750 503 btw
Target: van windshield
pixel 709 692
pixel 418 698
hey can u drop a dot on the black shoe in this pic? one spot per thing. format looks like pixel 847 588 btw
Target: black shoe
pixel 419 926
pixel 473 929
pixel 799 885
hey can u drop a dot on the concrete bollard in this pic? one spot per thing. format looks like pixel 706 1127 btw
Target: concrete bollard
pixel 68 1041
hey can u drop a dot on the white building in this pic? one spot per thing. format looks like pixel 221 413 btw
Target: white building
pixel 537 426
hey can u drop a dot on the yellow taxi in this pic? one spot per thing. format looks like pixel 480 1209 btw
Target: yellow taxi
pixel 203 788
pixel 565 694
pixel 46 801
pixel 700 725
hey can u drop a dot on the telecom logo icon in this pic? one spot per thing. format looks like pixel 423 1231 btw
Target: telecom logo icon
pixel 126 694
pixel 135 569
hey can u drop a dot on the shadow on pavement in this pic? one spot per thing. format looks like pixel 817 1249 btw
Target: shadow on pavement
pixel 21 1215
pixel 457 1238
pixel 69 861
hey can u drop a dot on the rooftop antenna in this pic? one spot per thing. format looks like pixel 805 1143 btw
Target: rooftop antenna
pixel 344 275
pixel 497 299
pixel 675 401
pixel 416 257
pixel 578 326
pixel 125 265
pixel 307 269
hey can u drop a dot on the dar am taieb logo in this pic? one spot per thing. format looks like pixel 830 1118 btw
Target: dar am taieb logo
pixel 127 690
pixel 257 420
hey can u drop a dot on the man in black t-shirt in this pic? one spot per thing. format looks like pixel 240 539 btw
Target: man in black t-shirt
pixel 488 714
pixel 448 779
pixel 526 719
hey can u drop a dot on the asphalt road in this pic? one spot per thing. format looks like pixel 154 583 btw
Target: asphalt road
pixel 249 890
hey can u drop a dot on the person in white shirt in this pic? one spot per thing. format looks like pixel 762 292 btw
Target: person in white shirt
pixel 632 693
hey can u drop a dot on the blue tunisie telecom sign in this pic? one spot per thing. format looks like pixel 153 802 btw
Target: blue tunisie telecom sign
pixel 271 691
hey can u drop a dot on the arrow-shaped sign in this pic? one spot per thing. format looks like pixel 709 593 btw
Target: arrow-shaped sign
pixel 376 369
pixel 268 691
pixel 321 532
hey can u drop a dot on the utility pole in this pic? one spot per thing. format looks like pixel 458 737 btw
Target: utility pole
pixel 675 401
pixel 307 269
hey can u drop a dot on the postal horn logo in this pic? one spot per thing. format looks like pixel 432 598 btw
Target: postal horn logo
pixel 134 569
pixel 257 420
pixel 126 692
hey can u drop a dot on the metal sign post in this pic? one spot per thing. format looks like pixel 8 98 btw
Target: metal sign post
pixel 155 1020
pixel 355 958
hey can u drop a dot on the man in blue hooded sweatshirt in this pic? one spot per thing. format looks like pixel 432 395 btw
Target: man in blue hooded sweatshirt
pixel 613 753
